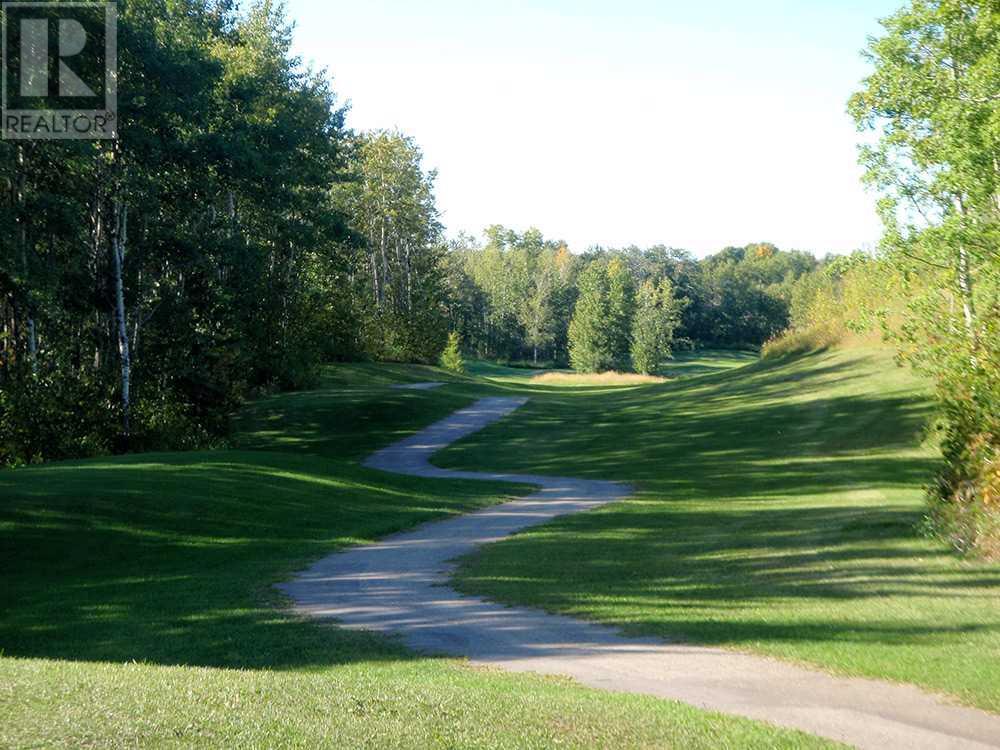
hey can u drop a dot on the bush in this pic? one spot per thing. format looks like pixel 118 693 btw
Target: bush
pixel 55 416
pixel 965 498
pixel 850 298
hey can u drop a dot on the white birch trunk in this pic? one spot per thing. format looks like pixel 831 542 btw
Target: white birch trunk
pixel 119 242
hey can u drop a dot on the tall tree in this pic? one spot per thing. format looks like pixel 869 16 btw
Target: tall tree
pixel 590 347
pixel 393 207
pixel 621 308
pixel 933 98
pixel 657 317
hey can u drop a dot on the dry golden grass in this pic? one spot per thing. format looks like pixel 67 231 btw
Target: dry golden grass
pixel 601 378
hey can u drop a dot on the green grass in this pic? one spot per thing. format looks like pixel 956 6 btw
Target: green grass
pixel 706 362
pixel 137 607
pixel 777 511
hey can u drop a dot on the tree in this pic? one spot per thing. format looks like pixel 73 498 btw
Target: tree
pixel 148 284
pixel 392 206
pixel 451 357
pixel 933 97
pixel 656 319
pixel 590 346
pixel 621 308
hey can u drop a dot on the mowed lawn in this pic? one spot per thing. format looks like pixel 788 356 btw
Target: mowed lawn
pixel 777 511
pixel 137 610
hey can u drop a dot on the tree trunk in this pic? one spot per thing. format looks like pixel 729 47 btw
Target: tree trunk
pixel 965 290
pixel 119 241
pixel 22 239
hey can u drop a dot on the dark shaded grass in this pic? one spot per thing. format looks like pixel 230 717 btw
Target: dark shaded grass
pixel 169 558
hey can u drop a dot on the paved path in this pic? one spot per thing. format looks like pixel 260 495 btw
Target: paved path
pixel 400 586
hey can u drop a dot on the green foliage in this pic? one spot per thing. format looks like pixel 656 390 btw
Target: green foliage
pixel 656 318
pixel 512 298
pixel 399 279
pixel 848 299
pixel 451 357
pixel 590 347
pixel 600 333
pixel 238 218
pixel 932 95
pixel 621 308
pixel 50 416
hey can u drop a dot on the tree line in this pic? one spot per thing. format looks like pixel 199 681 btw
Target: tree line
pixel 520 297
pixel 933 102
pixel 236 235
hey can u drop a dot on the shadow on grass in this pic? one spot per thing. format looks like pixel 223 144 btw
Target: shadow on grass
pixel 707 575
pixel 169 559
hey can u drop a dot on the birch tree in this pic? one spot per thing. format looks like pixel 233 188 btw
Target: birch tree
pixel 933 99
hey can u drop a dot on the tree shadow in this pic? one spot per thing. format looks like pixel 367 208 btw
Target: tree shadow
pixel 170 559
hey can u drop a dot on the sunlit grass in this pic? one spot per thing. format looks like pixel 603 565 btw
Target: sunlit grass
pixel 778 510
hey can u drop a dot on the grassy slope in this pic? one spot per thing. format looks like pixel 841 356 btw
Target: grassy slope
pixel 136 607
pixel 776 512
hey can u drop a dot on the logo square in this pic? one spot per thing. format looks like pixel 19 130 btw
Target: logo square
pixel 59 77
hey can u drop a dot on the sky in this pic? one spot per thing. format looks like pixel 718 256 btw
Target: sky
pixel 632 122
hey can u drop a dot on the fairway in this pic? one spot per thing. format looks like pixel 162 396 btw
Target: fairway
pixel 778 511
pixel 138 607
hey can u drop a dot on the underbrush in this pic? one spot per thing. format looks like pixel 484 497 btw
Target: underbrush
pixel 814 338
pixel 964 500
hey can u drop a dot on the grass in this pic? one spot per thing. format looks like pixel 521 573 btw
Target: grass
pixel 706 362
pixel 137 610
pixel 777 511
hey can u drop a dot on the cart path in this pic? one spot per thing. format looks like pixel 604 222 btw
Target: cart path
pixel 400 586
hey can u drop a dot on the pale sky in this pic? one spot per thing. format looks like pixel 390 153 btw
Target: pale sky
pixel 696 125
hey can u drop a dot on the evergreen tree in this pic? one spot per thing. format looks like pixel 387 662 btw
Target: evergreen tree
pixel 451 357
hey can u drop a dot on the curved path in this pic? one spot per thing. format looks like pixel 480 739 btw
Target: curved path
pixel 400 586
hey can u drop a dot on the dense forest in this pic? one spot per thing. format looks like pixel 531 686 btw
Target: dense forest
pixel 234 236
pixel 513 296
pixel 238 234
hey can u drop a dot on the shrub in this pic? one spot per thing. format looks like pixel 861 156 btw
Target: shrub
pixel 55 415
pixel 451 357
pixel 965 498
